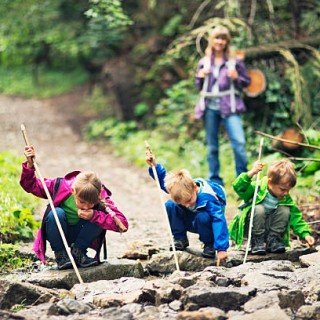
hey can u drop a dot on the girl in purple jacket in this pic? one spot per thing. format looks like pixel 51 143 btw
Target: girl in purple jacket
pixel 221 79
pixel 85 211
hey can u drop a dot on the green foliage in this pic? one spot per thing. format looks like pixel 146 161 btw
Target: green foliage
pixel 16 206
pixel 19 81
pixel 105 29
pixel 10 259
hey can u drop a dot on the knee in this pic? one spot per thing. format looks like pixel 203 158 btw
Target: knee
pixel 212 148
pixel 203 218
pixel 284 212
pixel 259 211
pixel 171 207
pixel 60 213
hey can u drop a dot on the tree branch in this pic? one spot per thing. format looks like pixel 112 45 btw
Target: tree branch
pixel 288 141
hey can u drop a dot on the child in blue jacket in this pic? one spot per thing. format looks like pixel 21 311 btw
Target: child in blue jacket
pixel 197 206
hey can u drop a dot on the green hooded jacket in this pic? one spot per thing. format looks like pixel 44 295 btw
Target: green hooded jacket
pixel 244 187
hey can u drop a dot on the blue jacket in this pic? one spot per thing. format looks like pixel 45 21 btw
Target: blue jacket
pixel 211 199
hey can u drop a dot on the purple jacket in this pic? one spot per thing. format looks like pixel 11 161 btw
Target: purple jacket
pixel 224 81
pixel 31 184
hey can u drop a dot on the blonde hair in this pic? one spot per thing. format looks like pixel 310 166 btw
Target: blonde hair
pixel 215 33
pixel 180 185
pixel 87 186
pixel 282 171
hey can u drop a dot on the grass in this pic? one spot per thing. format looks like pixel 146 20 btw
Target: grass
pixel 19 81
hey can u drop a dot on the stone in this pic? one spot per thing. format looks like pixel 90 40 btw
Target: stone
pixel 66 279
pixel 202 314
pixel 292 299
pixel 312 259
pixel 14 292
pixel 309 312
pixel 263 314
pixel 196 297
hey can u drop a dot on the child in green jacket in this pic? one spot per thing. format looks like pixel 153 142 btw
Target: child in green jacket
pixel 275 212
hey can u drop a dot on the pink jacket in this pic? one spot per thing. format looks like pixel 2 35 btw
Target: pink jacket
pixel 31 184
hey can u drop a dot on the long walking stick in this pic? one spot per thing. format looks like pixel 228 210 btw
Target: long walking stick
pixel 155 174
pixel 65 243
pixel 253 203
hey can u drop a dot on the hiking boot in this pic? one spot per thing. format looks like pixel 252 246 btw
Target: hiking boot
pixel 208 251
pixel 81 259
pixel 180 244
pixel 275 244
pixel 258 246
pixel 63 260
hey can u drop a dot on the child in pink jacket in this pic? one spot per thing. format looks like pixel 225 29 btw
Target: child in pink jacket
pixel 84 208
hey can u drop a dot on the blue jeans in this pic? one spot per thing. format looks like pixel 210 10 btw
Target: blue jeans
pixel 81 234
pixel 233 126
pixel 183 220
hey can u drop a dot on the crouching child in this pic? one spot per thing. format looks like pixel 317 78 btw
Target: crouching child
pixel 275 212
pixel 197 206
pixel 84 209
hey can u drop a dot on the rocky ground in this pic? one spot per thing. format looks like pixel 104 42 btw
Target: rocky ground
pixel 126 289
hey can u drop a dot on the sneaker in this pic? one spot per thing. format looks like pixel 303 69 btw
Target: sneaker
pixel 180 244
pixel 258 246
pixel 81 259
pixel 63 260
pixel 275 244
pixel 209 251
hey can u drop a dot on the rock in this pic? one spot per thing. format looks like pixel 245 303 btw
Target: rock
pixel 164 263
pixel 141 249
pixel 86 292
pixel 176 305
pixel 236 257
pixel 116 314
pixel 67 278
pixel 312 259
pixel 262 301
pixel 263 314
pixel 69 306
pixel 4 315
pixel 203 314
pixel 13 292
pixel 292 299
pixel 196 297
pixel 309 312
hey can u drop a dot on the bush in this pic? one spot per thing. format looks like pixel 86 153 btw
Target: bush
pixel 16 206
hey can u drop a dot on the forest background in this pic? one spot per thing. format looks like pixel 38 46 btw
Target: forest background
pixel 138 58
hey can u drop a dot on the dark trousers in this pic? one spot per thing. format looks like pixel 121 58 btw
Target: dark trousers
pixel 273 222
pixel 183 220
pixel 81 234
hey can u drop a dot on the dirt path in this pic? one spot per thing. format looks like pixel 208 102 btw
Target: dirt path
pixel 54 128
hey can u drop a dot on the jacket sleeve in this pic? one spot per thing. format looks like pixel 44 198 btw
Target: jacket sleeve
pixel 31 184
pixel 219 226
pixel 161 173
pixel 299 226
pixel 244 187
pixel 105 220
pixel 199 81
pixel 243 79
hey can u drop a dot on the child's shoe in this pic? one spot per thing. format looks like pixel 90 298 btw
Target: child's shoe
pixel 258 246
pixel 63 260
pixel 275 245
pixel 209 251
pixel 180 244
pixel 81 259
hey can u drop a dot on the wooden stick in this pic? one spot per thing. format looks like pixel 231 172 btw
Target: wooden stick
pixel 313 222
pixel 304 159
pixel 253 204
pixel 156 178
pixel 288 141
pixel 65 243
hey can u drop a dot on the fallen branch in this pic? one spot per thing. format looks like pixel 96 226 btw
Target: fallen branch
pixel 304 159
pixel 288 141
